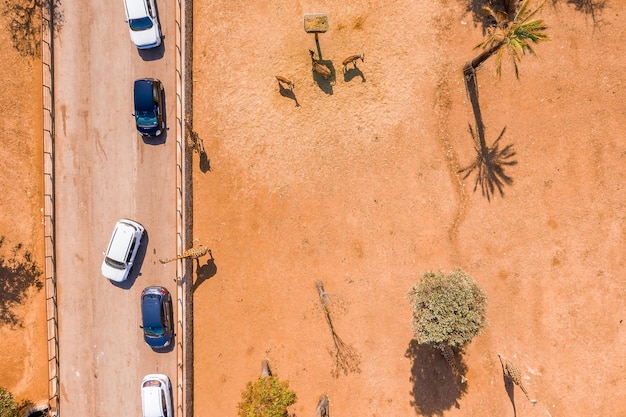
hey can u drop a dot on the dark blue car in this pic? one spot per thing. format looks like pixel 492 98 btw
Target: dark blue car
pixel 149 99
pixel 156 317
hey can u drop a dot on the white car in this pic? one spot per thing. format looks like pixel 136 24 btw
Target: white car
pixel 156 396
pixel 122 249
pixel 143 23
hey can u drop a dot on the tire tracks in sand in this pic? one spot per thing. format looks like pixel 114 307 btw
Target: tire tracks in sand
pixel 445 71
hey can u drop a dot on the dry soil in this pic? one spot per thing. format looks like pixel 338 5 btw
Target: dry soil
pixel 358 187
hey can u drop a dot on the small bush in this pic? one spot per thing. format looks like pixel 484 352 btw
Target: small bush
pixel 267 397
pixel 447 309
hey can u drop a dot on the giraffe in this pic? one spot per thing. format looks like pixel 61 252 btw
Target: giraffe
pixel 448 355
pixel 192 253
pixel 194 141
pixel 322 409
pixel 512 371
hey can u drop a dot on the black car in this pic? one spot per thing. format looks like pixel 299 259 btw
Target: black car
pixel 149 101
pixel 156 317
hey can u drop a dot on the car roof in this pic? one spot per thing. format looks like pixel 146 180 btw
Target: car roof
pixel 143 94
pixel 151 310
pixel 151 395
pixel 151 401
pixel 120 242
pixel 136 8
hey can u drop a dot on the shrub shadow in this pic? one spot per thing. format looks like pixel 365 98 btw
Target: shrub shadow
pixel 18 273
pixel 24 23
pixel 435 386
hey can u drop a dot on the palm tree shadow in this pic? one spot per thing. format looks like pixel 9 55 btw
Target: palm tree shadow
pixel 489 166
pixel 589 7
pixel 436 388
pixel 288 92
pixel 509 387
pixel 490 161
pixel 479 17
pixel 205 271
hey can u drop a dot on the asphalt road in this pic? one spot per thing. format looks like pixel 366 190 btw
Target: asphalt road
pixel 104 171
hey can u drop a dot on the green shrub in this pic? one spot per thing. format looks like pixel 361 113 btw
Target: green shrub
pixel 447 309
pixel 267 397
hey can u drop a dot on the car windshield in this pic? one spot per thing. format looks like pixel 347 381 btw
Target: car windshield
pixel 140 24
pixel 154 331
pixel 146 119
pixel 114 264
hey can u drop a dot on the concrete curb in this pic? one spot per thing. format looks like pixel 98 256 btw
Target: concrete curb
pixel 184 279
pixel 47 26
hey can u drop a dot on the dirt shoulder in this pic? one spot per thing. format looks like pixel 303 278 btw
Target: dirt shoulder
pixel 23 347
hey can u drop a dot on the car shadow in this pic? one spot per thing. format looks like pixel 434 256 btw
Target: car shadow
pixel 135 271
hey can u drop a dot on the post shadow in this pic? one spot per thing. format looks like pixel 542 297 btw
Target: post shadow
pixel 205 271
pixel 436 387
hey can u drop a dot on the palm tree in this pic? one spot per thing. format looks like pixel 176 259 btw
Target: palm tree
pixel 516 34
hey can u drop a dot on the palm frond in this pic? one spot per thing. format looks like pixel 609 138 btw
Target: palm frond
pixel 522 15
pixel 514 35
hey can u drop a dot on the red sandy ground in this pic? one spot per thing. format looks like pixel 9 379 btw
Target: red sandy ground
pixel 359 189
pixel 23 351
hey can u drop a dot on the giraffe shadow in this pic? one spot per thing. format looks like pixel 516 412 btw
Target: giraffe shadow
pixel 204 272
pixel 509 387
pixel 436 388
